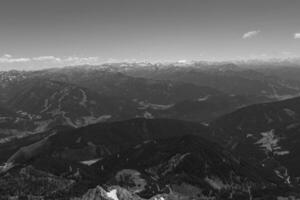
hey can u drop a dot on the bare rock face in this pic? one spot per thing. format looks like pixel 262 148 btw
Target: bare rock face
pixel 119 193
pixel 114 193
pixel 97 193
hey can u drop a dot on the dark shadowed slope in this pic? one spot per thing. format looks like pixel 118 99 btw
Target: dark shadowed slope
pixel 267 134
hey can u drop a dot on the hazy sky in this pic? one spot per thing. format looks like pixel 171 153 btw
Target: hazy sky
pixel 63 32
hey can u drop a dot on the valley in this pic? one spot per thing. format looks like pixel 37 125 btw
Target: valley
pixel 215 131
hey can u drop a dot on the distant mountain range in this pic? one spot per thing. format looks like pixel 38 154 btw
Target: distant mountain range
pixel 144 131
pixel 76 97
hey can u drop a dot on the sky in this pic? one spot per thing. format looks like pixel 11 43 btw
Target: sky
pixel 50 33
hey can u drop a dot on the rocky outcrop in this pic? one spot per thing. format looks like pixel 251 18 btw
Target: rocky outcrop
pixel 114 193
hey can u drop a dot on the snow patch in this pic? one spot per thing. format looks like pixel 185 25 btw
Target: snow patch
pixel 216 183
pixel 282 153
pixel 87 120
pixel 112 194
pixel 205 123
pixel 46 106
pixel 290 112
pixel 203 98
pixel 12 134
pixel 42 125
pixel 90 162
pixel 269 142
pixel 174 162
pixel 159 198
pixel 7 166
pixel 283 174
pixel 137 146
pixel 292 126
pixel 145 105
pixel 148 115
pixel 84 99
pixel 28 115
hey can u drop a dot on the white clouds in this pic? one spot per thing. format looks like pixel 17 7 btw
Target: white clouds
pixel 20 59
pixel 297 35
pixel 71 60
pixel 81 60
pixel 8 62
pixel 250 34
pixel 182 61
pixel 47 58
pixel 131 60
pixel 273 57
pixel 7 58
